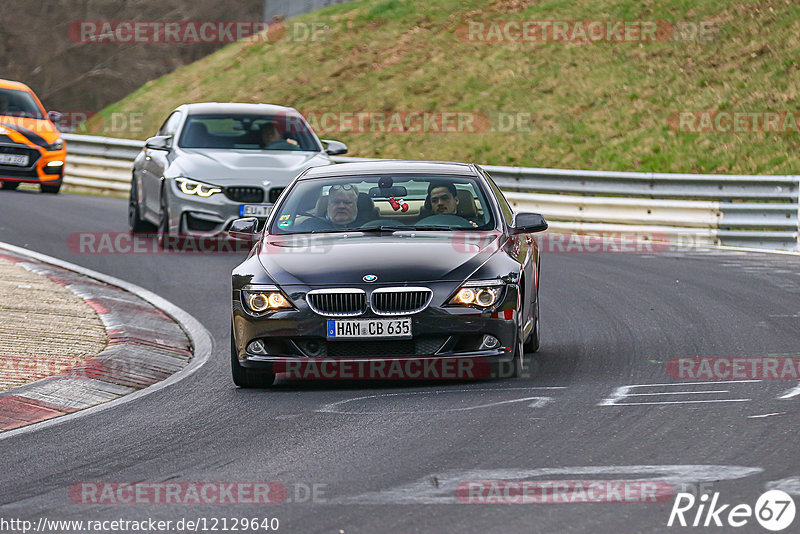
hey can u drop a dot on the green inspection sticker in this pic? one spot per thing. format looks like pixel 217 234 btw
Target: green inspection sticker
pixel 284 224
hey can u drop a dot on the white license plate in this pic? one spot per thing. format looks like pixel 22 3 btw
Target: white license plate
pixel 369 328
pixel 254 210
pixel 14 159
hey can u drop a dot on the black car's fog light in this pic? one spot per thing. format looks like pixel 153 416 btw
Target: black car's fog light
pixel 312 348
pixel 257 347
pixel 489 342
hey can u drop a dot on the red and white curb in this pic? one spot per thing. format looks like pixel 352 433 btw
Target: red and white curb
pixel 152 343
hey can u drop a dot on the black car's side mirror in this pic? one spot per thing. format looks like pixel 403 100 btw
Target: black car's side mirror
pixel 244 228
pixel 334 148
pixel 526 223
pixel 159 142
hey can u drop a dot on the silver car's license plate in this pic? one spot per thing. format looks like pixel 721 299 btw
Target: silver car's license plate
pixel 254 210
pixel 14 159
pixel 369 328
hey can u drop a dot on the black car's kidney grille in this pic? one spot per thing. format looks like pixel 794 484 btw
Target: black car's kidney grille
pixel 274 193
pixel 245 194
pixel 337 302
pixel 400 300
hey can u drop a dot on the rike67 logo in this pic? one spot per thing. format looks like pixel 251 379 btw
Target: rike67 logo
pixel 774 510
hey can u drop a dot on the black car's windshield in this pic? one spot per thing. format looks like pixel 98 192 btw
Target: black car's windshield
pixel 247 132
pixel 383 203
pixel 15 103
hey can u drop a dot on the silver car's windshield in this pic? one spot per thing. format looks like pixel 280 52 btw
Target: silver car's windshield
pixel 385 202
pixel 248 132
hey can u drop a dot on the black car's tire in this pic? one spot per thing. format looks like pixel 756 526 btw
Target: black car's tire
pixel 248 378
pixel 10 186
pixel 534 339
pixel 518 363
pixel 50 189
pixel 135 223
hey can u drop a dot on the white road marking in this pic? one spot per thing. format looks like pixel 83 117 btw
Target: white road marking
pixel 538 401
pixel 791 393
pixel 790 485
pixel 623 392
pixel 765 415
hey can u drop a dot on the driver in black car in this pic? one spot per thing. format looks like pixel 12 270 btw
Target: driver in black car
pixel 443 200
pixel 443 197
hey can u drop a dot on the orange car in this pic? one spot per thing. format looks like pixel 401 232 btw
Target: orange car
pixel 31 147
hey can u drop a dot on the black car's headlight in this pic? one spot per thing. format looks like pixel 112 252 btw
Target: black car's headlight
pixel 265 298
pixel 481 294
pixel 58 144
pixel 193 187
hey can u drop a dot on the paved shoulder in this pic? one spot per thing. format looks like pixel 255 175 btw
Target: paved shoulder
pixel 72 342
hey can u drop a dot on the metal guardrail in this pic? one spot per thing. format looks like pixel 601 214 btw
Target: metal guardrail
pixel 748 211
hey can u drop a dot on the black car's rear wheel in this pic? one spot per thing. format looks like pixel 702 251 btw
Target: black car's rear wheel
pixel 248 378
pixel 9 185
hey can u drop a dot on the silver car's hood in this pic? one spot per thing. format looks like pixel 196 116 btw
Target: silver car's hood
pixel 240 167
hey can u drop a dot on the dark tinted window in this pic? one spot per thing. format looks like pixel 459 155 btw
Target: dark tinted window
pixel 249 132
pixel 15 103
pixel 406 201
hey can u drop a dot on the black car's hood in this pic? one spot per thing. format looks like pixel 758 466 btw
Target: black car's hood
pixel 336 259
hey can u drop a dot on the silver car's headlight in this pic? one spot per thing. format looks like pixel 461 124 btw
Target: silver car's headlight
pixel 481 294
pixel 193 187
pixel 258 299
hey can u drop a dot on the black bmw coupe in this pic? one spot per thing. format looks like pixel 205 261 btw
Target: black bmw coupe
pixel 390 269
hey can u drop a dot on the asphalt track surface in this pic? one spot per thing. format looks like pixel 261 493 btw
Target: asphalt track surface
pixel 387 455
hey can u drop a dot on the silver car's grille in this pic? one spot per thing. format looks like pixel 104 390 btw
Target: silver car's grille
pixel 400 300
pixel 337 302
pixel 245 194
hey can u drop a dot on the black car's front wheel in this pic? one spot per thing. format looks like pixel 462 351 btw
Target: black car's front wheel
pixel 248 378
pixel 534 339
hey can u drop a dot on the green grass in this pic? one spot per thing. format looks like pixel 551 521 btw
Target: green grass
pixel 591 106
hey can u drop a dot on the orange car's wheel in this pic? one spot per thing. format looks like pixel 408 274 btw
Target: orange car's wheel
pixel 9 185
pixel 50 189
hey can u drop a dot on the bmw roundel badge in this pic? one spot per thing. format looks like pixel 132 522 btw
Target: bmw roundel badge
pixel 369 278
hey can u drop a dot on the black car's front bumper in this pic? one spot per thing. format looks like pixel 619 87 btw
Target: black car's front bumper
pixel 295 341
